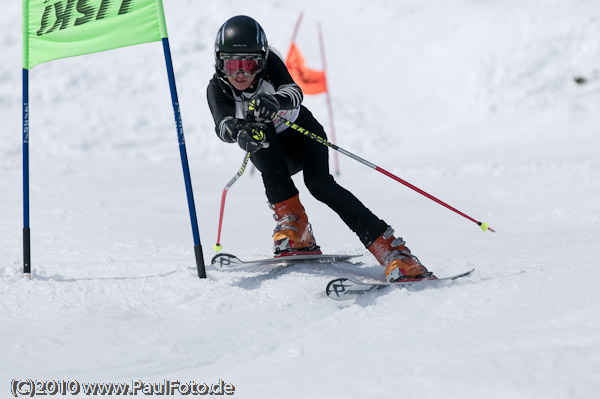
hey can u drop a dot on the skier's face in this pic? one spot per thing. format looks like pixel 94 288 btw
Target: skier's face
pixel 240 68
pixel 240 81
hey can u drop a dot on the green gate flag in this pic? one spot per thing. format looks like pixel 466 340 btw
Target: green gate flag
pixel 54 29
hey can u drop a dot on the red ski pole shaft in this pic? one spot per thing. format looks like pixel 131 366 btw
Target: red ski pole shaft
pixel 484 226
pixel 218 247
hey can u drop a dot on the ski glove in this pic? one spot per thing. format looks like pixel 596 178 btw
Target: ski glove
pixel 251 136
pixel 264 107
pixel 229 129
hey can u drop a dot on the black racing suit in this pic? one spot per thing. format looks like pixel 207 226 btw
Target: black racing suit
pixel 290 151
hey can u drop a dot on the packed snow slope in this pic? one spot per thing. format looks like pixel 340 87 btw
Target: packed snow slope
pixel 472 101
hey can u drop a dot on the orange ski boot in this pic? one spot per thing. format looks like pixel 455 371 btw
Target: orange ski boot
pixel 293 233
pixel 399 263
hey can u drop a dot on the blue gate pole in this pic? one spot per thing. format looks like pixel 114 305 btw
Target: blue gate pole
pixel 184 160
pixel 26 231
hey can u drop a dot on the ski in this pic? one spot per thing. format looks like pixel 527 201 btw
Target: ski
pixel 231 262
pixel 342 289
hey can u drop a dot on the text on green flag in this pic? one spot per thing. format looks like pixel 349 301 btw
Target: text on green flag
pixel 54 29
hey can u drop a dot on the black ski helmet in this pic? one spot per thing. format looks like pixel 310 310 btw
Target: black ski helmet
pixel 241 34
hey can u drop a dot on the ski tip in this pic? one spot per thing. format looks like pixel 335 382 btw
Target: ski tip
pixel 225 261
pixel 336 289
pixel 218 247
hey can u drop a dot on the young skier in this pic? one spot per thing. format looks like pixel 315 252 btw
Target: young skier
pixel 248 95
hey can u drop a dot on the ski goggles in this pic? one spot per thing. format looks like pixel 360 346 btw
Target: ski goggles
pixel 249 65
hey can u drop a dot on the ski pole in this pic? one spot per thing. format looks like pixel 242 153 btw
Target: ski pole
pixel 484 226
pixel 218 247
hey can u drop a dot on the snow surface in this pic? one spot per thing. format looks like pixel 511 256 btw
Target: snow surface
pixel 472 101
